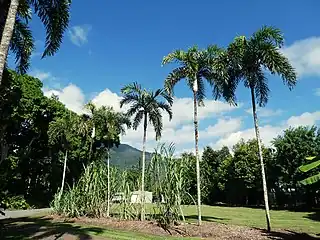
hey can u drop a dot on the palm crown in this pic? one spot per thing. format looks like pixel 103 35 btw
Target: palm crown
pixel 195 66
pixel 54 14
pixel 252 56
pixel 145 104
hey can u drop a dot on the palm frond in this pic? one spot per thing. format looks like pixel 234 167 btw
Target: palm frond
pixel 277 63
pixel 55 15
pixel 137 119
pixel 132 88
pixel 174 57
pixel 166 107
pixel 155 118
pixel 261 88
pixel 269 34
pixel 173 78
pixel 128 99
pixel 22 45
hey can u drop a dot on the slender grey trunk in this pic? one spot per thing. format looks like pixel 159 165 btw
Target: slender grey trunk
pixel 143 166
pixel 264 182
pixel 7 34
pixel 64 172
pixel 196 137
pixel 108 191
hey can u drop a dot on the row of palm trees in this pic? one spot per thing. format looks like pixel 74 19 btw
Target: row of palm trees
pixel 245 60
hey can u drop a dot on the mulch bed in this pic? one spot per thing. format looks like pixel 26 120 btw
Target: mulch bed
pixel 206 230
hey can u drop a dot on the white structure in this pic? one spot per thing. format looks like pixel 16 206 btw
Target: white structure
pixel 136 197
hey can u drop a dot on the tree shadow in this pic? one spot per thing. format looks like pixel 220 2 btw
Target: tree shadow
pixel 315 216
pixel 42 227
pixel 205 218
pixel 287 235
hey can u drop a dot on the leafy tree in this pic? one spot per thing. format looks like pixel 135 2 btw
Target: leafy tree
pixel 291 148
pixel 210 166
pixel 16 35
pixel 196 67
pixel 250 56
pixel 146 105
pixel 62 130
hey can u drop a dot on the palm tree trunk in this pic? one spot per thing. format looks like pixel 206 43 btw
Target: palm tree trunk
pixel 64 172
pixel 7 34
pixel 143 166
pixel 264 182
pixel 108 191
pixel 195 116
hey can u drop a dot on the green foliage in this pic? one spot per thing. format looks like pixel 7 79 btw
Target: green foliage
pixel 89 196
pixel 168 181
pixel 291 149
pixel 22 42
pixel 249 57
pixel 195 66
pixel 146 105
pixel 13 202
pixel 309 167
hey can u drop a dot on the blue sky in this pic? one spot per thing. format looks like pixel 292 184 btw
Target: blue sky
pixel 112 43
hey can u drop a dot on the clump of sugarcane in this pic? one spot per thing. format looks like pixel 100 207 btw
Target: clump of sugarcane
pixel 167 176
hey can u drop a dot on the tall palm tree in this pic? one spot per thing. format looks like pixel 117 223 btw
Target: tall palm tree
pixel 197 66
pixel 146 105
pixel 250 58
pixel 107 126
pixel 61 132
pixel 16 35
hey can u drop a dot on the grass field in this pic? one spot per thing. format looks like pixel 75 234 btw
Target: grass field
pixel 307 222
pixel 37 228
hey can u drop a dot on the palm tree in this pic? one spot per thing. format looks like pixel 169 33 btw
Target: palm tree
pixel 146 105
pixel 107 126
pixel 196 66
pixel 61 131
pixel 250 58
pixel 15 32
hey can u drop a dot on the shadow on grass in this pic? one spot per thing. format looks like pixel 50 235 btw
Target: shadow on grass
pixel 315 216
pixel 206 218
pixel 42 227
pixel 288 235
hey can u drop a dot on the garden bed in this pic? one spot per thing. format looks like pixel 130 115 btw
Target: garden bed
pixel 208 230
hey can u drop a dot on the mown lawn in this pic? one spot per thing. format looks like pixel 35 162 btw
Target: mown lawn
pixel 307 222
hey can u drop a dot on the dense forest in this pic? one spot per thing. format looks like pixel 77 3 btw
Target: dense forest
pixel 34 143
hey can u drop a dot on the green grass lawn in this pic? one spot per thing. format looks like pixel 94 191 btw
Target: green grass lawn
pixel 307 222
pixel 30 227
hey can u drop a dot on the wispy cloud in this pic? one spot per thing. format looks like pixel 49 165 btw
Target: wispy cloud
pixel 317 92
pixel 78 35
pixel 266 112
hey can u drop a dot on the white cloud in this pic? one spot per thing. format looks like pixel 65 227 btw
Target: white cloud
pixel 42 75
pixel 72 96
pixel 304 119
pixel 317 92
pixel 266 112
pixel 305 56
pixel 79 34
pixel 268 132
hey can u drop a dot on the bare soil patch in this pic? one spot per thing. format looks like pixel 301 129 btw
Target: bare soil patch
pixel 208 230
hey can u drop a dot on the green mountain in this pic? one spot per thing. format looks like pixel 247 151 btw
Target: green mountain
pixel 126 156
